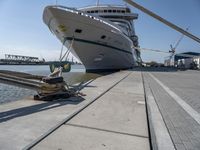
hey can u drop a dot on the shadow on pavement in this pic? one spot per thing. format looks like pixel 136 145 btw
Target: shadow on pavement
pixel 24 111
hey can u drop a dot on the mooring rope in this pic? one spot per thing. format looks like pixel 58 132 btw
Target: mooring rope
pixel 68 50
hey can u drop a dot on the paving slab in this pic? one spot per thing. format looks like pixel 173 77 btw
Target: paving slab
pixel 24 121
pixel 118 111
pixel 77 138
pixel 117 120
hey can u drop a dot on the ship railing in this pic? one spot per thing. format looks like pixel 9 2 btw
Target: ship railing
pixel 104 5
pixel 74 10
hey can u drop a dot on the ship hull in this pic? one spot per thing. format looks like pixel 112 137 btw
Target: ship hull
pixel 100 46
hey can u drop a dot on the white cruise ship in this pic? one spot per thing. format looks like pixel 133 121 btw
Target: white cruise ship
pixel 102 37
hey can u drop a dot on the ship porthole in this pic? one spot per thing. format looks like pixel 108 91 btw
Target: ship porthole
pixel 103 37
pixel 78 30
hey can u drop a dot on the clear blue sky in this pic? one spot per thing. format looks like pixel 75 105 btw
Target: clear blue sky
pixel 23 32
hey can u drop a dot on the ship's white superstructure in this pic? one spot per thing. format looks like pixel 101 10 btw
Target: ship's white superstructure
pixel 102 37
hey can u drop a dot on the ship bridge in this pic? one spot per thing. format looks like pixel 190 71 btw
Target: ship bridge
pixel 110 11
pixel 119 15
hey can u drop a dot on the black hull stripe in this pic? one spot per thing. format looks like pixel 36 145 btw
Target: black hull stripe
pixel 106 70
pixel 96 43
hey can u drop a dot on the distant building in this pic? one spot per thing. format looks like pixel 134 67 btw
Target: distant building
pixel 169 62
pixel 187 60
pixel 19 59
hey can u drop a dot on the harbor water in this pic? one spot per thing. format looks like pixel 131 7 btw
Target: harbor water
pixel 10 93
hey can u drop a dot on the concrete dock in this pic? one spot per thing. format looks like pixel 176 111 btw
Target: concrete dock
pixel 178 99
pixel 136 109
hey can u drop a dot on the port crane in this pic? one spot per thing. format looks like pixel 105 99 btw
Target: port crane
pixel 172 50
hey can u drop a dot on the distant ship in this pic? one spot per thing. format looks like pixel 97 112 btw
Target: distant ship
pixel 102 36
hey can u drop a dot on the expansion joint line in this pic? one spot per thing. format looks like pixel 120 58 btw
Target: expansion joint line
pixel 160 137
pixel 105 130
pixel 156 101
pixel 148 119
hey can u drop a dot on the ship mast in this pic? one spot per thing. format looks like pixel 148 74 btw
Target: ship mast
pixel 56 2
pixel 97 3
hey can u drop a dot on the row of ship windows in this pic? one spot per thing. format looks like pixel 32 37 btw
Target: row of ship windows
pixel 80 31
pixel 107 11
